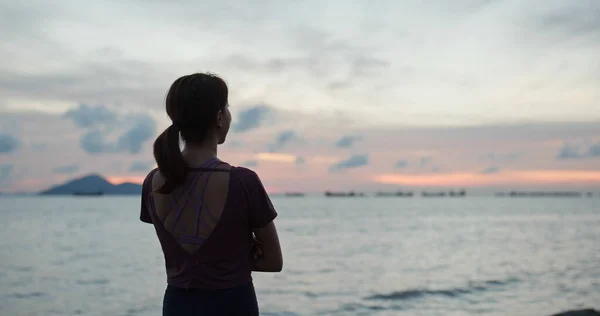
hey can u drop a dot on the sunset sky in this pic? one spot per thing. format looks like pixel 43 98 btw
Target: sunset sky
pixel 481 94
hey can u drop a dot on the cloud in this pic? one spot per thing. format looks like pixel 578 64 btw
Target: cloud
pixel 140 166
pixel 235 144
pixel 522 179
pixel 320 54
pixel 573 18
pixel 347 141
pixel 578 151
pixel 490 170
pixel 250 163
pixel 503 157
pixel 401 164
pixel 568 151
pixel 133 139
pixel 594 150
pixel 337 85
pixel 8 143
pixel 251 118
pixel 365 65
pixel 424 161
pixel 283 139
pixel 86 116
pixel 99 120
pixel 115 166
pixel 104 80
pixel 5 171
pixel 94 142
pixel 512 156
pixel 38 147
pixel 67 169
pixel 352 162
pixel 275 157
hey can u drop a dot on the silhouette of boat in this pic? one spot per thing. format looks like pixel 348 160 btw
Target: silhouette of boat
pixel 97 193
pixel 541 194
pixel 460 193
pixel 400 194
pixel 343 194
pixel 294 194
pixel 433 194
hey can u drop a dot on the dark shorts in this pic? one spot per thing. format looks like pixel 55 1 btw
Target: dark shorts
pixel 240 300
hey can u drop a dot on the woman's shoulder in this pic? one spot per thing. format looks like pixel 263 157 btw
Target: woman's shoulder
pixel 245 175
pixel 151 174
pixel 243 171
pixel 150 178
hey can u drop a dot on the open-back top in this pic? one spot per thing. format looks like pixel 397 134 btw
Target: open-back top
pixel 205 225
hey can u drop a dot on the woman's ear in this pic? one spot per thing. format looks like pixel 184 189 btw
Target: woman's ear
pixel 220 119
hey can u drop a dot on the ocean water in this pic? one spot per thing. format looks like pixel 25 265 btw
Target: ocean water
pixel 362 256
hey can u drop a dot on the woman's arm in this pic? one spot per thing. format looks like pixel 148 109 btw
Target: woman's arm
pixel 261 215
pixel 268 257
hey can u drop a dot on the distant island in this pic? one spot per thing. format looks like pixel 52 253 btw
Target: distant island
pixel 93 185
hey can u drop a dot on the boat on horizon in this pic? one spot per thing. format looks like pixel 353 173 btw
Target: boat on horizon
pixel 343 194
pixel 461 193
pixel 433 194
pixel 393 194
pixel 294 194
pixel 542 194
pixel 97 193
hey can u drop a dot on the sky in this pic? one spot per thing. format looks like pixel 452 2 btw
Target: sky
pixel 336 95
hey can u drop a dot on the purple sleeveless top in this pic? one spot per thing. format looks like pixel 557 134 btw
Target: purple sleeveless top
pixel 223 257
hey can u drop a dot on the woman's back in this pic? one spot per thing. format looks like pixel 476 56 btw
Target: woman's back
pixel 205 225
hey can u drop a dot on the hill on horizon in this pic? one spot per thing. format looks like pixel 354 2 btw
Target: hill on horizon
pixel 90 184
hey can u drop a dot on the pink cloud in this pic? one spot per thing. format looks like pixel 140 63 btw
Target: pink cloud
pixel 470 179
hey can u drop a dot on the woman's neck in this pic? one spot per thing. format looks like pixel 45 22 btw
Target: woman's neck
pixel 195 154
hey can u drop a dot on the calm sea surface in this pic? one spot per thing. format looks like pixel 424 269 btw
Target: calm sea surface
pixel 363 256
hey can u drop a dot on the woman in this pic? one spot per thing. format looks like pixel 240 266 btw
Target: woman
pixel 214 221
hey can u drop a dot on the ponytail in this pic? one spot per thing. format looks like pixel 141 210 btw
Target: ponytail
pixel 170 161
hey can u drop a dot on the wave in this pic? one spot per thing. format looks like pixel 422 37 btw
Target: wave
pixel 93 282
pixel 354 307
pixel 21 268
pixel 471 288
pixel 310 272
pixel 365 309
pixel 26 295
pixel 282 313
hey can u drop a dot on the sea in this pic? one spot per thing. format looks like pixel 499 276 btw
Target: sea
pixel 342 256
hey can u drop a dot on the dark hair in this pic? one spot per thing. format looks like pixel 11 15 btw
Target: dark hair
pixel 192 103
